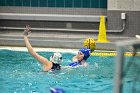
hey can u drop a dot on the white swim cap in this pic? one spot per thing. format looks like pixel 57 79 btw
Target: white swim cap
pixel 56 58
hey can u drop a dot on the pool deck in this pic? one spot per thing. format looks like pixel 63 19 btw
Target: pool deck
pixel 51 40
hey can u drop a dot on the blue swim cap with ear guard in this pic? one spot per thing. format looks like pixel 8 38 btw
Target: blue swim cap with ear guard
pixel 86 53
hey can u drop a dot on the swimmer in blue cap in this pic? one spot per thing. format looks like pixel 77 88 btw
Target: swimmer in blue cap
pixel 55 59
pixel 81 57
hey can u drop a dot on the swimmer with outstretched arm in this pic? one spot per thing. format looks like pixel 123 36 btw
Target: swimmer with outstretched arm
pixel 56 58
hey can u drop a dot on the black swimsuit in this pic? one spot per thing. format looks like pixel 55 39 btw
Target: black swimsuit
pixel 56 66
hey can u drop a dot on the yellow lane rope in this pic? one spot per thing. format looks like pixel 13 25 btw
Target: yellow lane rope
pixel 111 54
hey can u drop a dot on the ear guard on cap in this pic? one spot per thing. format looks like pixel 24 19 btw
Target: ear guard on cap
pixel 56 58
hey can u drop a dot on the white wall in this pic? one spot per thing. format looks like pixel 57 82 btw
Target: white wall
pixel 124 5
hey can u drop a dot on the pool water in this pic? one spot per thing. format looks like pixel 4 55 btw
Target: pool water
pixel 21 73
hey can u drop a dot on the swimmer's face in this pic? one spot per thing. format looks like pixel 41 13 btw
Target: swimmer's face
pixel 80 56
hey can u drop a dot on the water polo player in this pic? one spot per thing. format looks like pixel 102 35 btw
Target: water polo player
pixel 55 59
pixel 80 58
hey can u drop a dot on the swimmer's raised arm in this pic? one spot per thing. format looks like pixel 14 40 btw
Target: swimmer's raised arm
pixel 40 58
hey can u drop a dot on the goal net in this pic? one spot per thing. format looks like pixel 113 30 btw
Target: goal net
pixel 127 69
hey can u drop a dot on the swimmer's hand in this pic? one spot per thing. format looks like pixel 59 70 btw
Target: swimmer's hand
pixel 27 30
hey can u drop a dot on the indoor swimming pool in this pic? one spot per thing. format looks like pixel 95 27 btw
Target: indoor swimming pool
pixel 21 73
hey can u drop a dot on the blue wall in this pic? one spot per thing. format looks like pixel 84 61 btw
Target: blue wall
pixel 56 3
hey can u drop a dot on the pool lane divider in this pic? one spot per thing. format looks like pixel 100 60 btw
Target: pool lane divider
pixel 112 54
pixel 95 53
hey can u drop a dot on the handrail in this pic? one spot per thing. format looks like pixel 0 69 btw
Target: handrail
pixel 49 29
pixel 119 30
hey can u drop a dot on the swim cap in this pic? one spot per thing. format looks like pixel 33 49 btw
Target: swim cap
pixel 86 53
pixel 56 58
pixel 57 90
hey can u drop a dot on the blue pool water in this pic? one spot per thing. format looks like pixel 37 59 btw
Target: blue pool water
pixel 21 73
